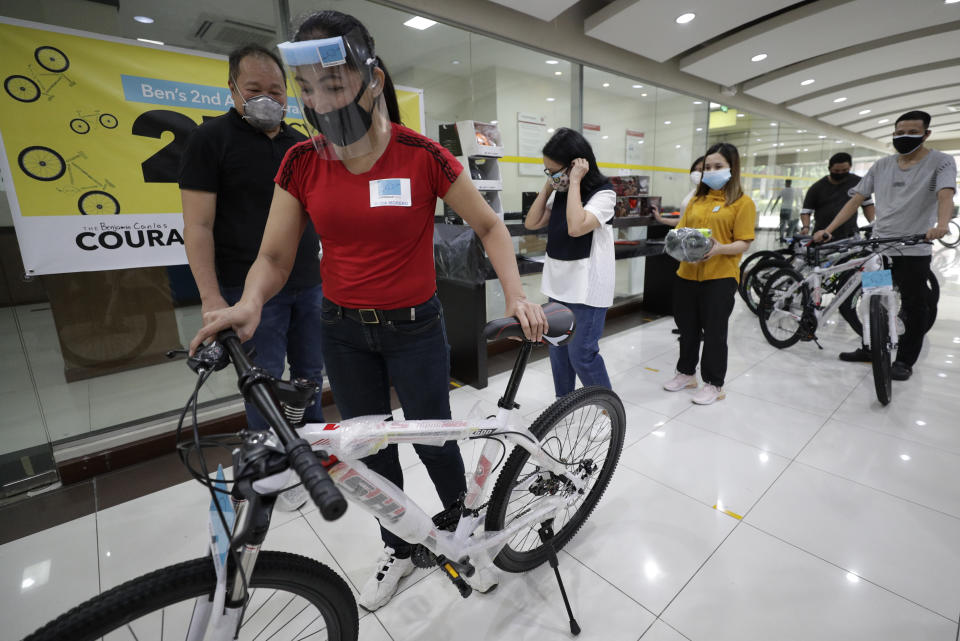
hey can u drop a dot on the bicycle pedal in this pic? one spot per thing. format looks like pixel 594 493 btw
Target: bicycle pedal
pixel 455 572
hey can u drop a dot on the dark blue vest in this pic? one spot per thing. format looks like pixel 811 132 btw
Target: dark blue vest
pixel 560 244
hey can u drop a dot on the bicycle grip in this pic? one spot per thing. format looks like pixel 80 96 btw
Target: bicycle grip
pixel 324 493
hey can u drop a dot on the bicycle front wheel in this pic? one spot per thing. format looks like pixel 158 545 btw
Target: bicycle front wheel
pixel 880 349
pixel 584 429
pixel 752 286
pixel 291 597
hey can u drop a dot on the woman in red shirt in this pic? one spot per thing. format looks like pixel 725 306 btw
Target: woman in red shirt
pixel 369 186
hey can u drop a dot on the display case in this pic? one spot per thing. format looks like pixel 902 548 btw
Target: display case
pixel 478 146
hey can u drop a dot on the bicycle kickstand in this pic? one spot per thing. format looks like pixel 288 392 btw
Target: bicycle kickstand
pixel 546 535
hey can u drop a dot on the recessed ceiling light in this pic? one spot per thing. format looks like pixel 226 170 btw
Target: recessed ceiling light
pixel 558 73
pixel 153 42
pixel 759 139
pixel 808 81
pixel 950 1
pixel 551 130
pixel 821 137
pixel 494 122
pixel 604 137
pixel 685 18
pixel 741 115
pixel 796 150
pixel 552 62
pixel 677 147
pixel 639 142
pixel 550 99
pixel 699 128
pixel 773 124
pixel 799 131
pixel 419 23
pixel 143 19
pixel 759 57
pixel 805 149
pixel 667 122
pixel 883 121
pixel 643 95
pixel 838 141
pixel 905 457
pixel 638 86
pixel 606 84
pixel 863 112
pixel 454 62
pixel 840 99
pixel 698 102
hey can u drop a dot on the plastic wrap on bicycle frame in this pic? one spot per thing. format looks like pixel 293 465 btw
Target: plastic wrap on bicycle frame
pixel 365 435
pixel 458 255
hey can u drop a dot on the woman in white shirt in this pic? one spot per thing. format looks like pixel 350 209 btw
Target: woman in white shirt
pixel 576 205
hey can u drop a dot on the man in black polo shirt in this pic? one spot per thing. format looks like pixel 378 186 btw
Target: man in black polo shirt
pixel 828 195
pixel 226 184
pixel 824 199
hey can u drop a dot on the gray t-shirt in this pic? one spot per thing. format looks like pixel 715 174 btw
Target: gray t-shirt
pixel 906 199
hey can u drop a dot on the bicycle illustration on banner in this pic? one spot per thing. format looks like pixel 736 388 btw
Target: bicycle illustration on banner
pixel 29 88
pixel 45 164
pixel 81 125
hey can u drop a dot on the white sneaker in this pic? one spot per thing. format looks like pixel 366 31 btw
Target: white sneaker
pixel 600 431
pixel 483 581
pixel 293 499
pixel 380 588
pixel 681 381
pixel 708 394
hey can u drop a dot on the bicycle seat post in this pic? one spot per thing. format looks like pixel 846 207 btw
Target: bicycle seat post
pixel 508 400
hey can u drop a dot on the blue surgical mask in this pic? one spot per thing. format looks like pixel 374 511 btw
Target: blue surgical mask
pixel 716 179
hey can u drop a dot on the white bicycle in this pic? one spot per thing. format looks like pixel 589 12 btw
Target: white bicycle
pixel 552 480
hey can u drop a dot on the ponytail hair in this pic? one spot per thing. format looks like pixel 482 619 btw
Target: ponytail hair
pixel 389 94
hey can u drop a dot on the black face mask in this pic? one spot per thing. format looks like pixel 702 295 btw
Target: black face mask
pixel 907 143
pixel 838 176
pixel 343 126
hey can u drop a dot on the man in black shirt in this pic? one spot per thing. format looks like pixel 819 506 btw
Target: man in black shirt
pixel 828 195
pixel 226 184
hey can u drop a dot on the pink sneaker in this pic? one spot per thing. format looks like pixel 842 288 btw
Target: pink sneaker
pixel 681 381
pixel 708 394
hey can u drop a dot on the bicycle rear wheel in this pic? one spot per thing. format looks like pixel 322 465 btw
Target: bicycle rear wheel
pixel 782 305
pixel 585 430
pixel 752 261
pixel 880 349
pixel 291 597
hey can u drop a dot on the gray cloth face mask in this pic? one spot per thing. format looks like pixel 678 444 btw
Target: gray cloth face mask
pixel 263 112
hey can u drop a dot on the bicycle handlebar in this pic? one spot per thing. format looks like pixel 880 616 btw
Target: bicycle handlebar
pixel 256 390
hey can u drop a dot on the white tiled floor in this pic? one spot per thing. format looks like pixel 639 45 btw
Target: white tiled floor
pixel 849 530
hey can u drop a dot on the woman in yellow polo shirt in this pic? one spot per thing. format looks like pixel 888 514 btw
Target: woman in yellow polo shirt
pixel 704 294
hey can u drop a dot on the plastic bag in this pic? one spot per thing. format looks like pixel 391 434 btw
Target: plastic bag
pixel 458 254
pixel 687 244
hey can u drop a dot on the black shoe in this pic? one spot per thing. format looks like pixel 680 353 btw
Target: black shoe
pixel 900 371
pixel 858 355
pixel 675 330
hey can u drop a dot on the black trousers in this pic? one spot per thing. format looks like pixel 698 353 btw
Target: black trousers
pixel 910 277
pixel 704 306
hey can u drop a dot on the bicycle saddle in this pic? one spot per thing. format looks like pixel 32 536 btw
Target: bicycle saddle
pixel 560 326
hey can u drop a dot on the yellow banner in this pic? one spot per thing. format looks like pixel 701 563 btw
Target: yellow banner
pixel 91 125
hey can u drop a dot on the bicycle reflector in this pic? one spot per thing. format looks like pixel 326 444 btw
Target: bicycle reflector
pixel 687 244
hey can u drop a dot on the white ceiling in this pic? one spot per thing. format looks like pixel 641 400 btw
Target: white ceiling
pixel 649 28
pixel 543 9
pixel 888 56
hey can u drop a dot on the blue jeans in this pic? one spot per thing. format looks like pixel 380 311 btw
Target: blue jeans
pixel 364 359
pixel 581 356
pixel 289 329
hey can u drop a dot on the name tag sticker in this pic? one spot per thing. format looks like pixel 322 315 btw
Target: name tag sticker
pixel 877 279
pixel 390 192
pixel 716 209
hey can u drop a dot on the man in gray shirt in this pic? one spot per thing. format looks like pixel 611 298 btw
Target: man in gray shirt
pixel 914 194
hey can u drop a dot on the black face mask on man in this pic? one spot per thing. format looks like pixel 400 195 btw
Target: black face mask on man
pixel 839 176
pixel 907 143
pixel 343 126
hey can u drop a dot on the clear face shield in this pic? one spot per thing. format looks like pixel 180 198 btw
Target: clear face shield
pixel 340 94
